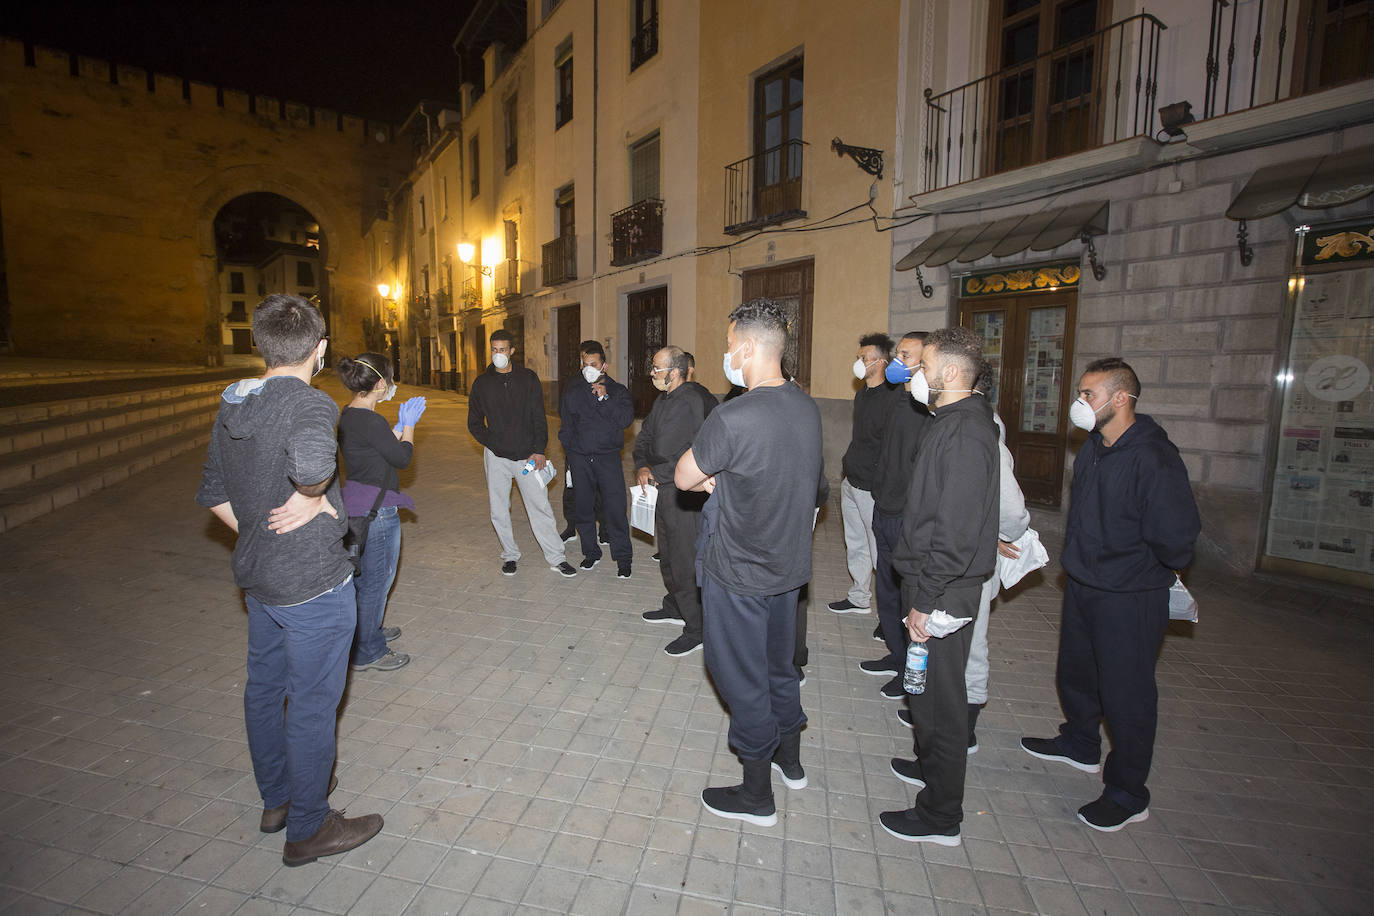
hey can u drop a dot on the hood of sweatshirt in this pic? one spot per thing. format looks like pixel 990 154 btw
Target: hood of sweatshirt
pixel 253 399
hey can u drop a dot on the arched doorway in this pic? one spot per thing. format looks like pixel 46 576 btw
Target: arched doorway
pixel 264 243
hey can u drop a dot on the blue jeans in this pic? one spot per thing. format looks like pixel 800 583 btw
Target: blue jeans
pixel 297 655
pixel 380 556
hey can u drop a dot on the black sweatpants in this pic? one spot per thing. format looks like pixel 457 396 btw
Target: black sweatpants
pixel 887 588
pixel 940 715
pixel 1108 645
pixel 570 508
pixel 749 645
pixel 677 521
pixel 600 476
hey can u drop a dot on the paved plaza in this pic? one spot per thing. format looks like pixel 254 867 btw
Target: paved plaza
pixel 541 754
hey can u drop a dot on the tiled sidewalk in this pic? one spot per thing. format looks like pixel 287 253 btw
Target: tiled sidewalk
pixel 541 753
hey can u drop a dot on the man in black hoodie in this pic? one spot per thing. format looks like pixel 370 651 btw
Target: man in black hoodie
pixel 948 548
pixel 1132 523
pixel 595 412
pixel 270 476
pixel 506 416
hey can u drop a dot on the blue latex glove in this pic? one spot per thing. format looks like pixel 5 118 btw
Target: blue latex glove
pixel 411 411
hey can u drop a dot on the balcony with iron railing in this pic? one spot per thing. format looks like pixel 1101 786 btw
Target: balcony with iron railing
pixel 637 232
pixel 644 42
pixel 560 260
pixel 506 279
pixel 1085 94
pixel 764 189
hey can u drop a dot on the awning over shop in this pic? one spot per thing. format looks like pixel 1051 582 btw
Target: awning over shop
pixel 1315 183
pixel 1041 231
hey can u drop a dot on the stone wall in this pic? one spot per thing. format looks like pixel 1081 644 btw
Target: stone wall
pixel 110 179
pixel 1204 332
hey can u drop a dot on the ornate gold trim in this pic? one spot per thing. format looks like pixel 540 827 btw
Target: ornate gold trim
pixel 1034 278
pixel 1344 245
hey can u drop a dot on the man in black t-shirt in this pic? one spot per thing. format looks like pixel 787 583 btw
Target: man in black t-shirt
pixel 760 457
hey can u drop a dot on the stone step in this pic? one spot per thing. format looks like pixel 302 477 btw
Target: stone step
pixel 23 504
pixel 53 423
pixel 33 464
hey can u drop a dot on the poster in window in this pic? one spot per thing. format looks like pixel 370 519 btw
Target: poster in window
pixel 1322 506
pixel 1042 385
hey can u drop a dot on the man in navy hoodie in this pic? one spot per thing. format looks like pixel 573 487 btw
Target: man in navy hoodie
pixel 594 414
pixel 1132 523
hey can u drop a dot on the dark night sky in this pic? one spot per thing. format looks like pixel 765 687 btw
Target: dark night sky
pixel 371 59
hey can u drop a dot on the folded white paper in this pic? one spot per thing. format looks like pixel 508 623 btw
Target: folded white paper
pixel 1033 556
pixel 643 500
pixel 567 479
pixel 546 474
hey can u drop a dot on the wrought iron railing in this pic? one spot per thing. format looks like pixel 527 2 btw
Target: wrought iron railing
pixel 644 42
pixel 1090 92
pixel 507 279
pixel 1253 60
pixel 560 260
pixel 637 232
pixel 764 188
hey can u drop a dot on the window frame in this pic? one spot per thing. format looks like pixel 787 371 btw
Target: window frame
pixel 511 128
pixel 474 166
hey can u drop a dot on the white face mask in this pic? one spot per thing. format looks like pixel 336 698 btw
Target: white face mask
pixel 591 374
pixel 500 360
pixel 860 368
pixel 390 392
pixel 920 388
pixel 1082 415
pixel 732 375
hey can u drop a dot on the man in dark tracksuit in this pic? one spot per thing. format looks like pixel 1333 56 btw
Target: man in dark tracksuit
pixel 760 457
pixel 569 532
pixel 667 432
pixel 595 414
pixel 1132 523
pixel 906 423
pixel 948 549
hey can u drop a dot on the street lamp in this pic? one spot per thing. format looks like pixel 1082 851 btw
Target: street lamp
pixel 466 252
pixel 384 290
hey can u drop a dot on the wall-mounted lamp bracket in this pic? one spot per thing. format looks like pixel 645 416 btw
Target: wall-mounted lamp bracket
pixel 870 160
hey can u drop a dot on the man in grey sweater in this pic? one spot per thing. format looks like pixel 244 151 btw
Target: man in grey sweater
pixel 270 476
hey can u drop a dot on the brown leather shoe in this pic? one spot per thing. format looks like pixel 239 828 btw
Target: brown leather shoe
pixel 274 819
pixel 336 834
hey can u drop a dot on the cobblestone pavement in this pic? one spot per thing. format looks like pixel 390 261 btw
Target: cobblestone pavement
pixel 541 753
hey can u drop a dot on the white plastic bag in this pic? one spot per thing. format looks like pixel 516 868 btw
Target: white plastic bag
pixel 1033 556
pixel 643 501
pixel 1182 604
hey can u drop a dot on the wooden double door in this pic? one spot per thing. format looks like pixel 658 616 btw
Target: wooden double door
pixel 647 319
pixel 1028 345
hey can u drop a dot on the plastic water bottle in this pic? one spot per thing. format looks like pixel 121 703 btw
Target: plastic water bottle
pixel 529 466
pixel 914 678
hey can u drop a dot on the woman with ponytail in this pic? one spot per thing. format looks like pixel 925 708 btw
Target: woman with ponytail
pixel 373 451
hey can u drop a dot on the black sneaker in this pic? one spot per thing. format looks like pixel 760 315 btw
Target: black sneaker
pixel 893 689
pixel 603 538
pixel 731 802
pixel 662 615
pixel 564 569
pixel 904 717
pixel 588 564
pixel 683 645
pixel 622 569
pixel 391 633
pixel 908 771
pixel 388 662
pixel 905 825
pixel 845 606
pixel 878 634
pixel 801 677
pixel 569 534
pixel 657 558
pixel 1109 817
pixel 508 568
pixel 1048 749
pixel 880 667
